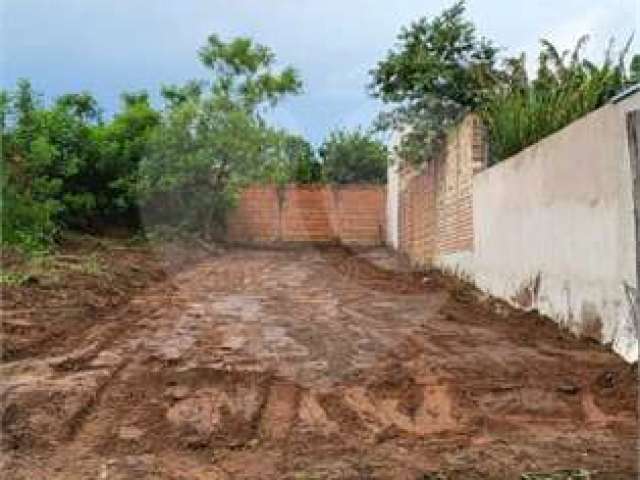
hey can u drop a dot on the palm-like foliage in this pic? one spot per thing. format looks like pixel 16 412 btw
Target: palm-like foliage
pixel 566 88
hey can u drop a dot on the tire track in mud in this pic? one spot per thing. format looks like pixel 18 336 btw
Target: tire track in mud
pixel 76 422
pixel 277 365
pixel 139 355
pixel 84 360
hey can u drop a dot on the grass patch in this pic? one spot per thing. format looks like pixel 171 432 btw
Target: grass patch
pixel 14 279
pixel 51 267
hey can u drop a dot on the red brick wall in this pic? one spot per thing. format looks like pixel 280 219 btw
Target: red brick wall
pixel 256 216
pixel 436 211
pixel 306 214
pixel 465 155
pixel 415 217
pixel 350 213
pixel 360 214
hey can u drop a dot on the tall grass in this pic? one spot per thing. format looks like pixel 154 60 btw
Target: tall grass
pixel 521 113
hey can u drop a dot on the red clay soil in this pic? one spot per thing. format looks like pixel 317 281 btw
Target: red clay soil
pixel 298 364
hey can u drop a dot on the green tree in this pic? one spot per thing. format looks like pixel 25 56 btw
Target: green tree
pixel 31 193
pixel 301 157
pixel 288 158
pixel 121 146
pixel 211 140
pixel 193 162
pixel 5 110
pixel 175 95
pixel 439 70
pixel 244 72
pixel 25 104
pixel 62 167
pixel 634 74
pixel 82 105
pixel 65 166
pixel 353 157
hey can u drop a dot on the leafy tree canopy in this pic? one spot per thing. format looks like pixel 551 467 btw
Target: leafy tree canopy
pixel 176 95
pixel 82 105
pixel 353 157
pixel 62 166
pixel 244 72
pixel 211 137
pixel 439 70
pixel 304 167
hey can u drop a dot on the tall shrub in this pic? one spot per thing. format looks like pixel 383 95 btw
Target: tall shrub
pixel 353 157
pixel 566 88
pixel 212 137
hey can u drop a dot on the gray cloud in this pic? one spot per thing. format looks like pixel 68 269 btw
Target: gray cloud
pixel 108 46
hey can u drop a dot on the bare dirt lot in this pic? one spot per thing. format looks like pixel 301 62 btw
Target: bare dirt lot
pixel 298 364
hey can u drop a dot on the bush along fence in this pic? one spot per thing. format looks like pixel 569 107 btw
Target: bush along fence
pixel 353 214
pixel 551 228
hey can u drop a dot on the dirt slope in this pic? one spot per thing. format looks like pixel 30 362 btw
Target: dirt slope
pixel 307 364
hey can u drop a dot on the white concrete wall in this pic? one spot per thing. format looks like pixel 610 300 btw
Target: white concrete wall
pixel 553 228
pixel 393 195
pixel 461 264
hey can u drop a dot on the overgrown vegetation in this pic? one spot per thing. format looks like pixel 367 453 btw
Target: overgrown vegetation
pixel 179 167
pixel 212 138
pixel 441 69
pixel 353 157
pixel 65 166
pixel 62 166
pixel 522 111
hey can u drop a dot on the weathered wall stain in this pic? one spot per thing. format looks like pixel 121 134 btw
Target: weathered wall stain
pixel 591 321
pixel 633 300
pixel 527 295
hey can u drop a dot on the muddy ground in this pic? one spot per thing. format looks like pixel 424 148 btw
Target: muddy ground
pixel 313 363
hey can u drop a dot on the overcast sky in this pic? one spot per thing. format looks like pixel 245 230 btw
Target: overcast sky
pixel 107 46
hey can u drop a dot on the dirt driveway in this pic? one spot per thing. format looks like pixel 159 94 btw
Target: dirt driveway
pixel 313 364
